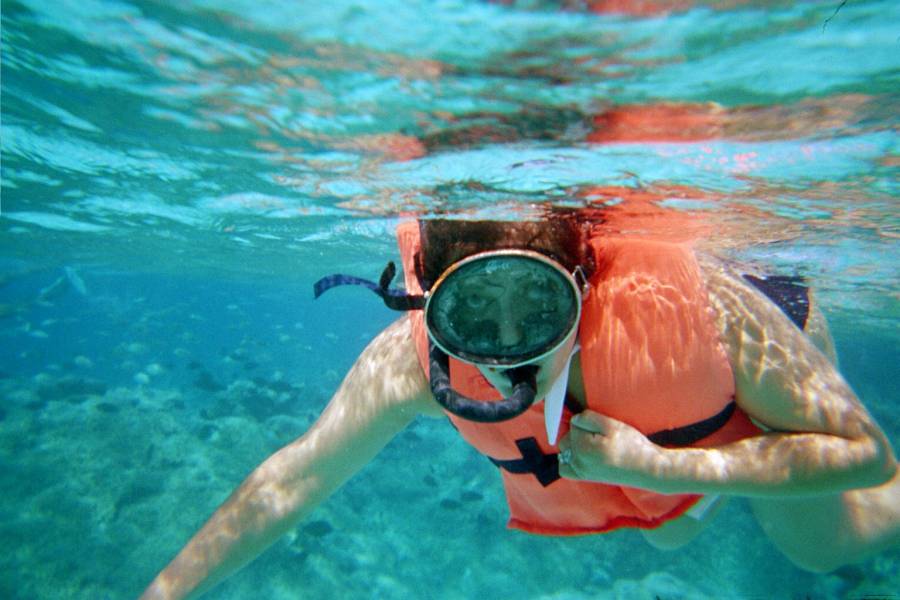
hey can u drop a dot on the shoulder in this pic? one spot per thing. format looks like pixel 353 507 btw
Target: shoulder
pixel 782 378
pixel 737 305
pixel 744 295
pixel 388 374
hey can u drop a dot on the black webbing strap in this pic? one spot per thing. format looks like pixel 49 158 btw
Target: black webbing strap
pixel 393 299
pixel 545 467
pixel 690 434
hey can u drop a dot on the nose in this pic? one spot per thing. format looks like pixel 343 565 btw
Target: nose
pixel 510 329
pixel 510 332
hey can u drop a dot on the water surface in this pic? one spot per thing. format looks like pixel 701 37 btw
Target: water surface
pixel 174 179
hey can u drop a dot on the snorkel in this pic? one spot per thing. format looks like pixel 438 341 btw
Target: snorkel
pixel 500 296
pixel 523 380
pixel 507 312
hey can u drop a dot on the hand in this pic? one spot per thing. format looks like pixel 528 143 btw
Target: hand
pixel 603 449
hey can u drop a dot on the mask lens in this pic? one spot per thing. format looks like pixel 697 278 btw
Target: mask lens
pixel 502 308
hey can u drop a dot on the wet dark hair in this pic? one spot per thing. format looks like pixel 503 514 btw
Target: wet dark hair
pixel 561 234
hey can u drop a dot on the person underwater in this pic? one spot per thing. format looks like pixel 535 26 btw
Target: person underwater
pixel 615 380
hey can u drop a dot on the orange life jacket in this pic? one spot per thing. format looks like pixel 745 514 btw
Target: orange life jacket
pixel 650 356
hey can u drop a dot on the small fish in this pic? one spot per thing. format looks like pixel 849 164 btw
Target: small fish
pixel 69 280
pixel 76 281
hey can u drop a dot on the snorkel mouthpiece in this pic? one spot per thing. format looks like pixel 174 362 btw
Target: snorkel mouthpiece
pixel 523 380
pixel 508 310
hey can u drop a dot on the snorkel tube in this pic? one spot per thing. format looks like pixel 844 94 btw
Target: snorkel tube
pixel 534 276
pixel 523 380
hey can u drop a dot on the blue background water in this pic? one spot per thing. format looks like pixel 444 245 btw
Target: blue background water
pixel 175 179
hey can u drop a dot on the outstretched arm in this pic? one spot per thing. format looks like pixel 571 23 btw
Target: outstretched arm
pixel 381 394
pixel 821 439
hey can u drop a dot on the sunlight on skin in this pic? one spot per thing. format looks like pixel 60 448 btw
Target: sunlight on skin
pixel 827 532
pixel 820 442
pixel 773 359
pixel 787 476
pixel 787 386
pixel 872 511
pixel 381 394
pixel 818 333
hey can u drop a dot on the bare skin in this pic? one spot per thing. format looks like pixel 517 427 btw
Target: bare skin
pixel 825 532
pixel 383 392
pixel 818 531
pixel 784 383
pixel 822 445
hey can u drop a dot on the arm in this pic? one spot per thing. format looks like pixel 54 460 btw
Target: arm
pixel 821 441
pixel 381 394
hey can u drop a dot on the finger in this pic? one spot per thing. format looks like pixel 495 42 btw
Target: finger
pixel 591 421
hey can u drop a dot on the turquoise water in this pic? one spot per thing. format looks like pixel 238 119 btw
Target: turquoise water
pixel 174 179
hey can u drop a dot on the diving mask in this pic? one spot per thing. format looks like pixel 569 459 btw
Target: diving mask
pixel 505 308
pixel 508 311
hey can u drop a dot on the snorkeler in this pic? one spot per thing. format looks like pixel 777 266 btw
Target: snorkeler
pixel 614 380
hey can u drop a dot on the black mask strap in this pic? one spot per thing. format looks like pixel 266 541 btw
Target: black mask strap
pixel 523 380
pixel 393 299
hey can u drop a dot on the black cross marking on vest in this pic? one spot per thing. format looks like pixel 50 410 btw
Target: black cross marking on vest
pixel 545 467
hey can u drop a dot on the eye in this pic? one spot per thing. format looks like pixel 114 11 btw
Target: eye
pixel 538 293
pixel 538 290
pixel 476 302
